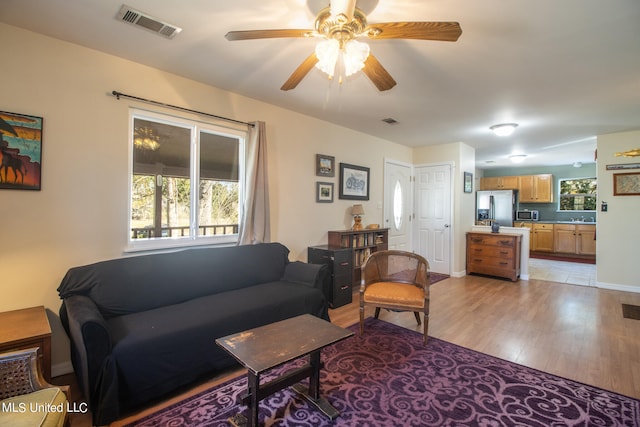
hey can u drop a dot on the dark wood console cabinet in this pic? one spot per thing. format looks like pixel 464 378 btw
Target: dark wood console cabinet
pixel 338 260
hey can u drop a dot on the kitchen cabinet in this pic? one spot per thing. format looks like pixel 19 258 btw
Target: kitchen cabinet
pixel 542 238
pixel 575 239
pixel 499 183
pixel 586 239
pixel 494 254
pixel 536 188
pixel 529 225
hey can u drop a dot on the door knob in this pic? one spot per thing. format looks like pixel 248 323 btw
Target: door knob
pixel 446 226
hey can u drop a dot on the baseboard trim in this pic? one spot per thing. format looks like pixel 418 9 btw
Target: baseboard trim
pixel 618 287
pixel 60 369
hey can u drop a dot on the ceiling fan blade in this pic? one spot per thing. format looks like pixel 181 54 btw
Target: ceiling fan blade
pixel 378 74
pixel 442 31
pixel 266 34
pixel 300 72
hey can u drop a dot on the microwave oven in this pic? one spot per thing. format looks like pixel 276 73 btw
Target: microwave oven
pixel 527 215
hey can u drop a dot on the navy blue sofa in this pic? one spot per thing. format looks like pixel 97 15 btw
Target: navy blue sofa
pixel 143 326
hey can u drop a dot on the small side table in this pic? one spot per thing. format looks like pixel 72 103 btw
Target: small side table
pixel 26 328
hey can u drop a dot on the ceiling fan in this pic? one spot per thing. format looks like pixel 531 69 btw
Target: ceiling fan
pixel 339 25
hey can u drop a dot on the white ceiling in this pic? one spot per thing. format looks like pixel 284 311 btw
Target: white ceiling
pixel 565 71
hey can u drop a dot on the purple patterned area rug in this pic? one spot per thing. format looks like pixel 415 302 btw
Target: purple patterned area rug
pixel 388 378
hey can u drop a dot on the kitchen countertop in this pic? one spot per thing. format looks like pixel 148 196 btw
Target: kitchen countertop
pixel 560 222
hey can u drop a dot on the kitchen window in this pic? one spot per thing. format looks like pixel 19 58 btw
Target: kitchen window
pixel 186 182
pixel 577 194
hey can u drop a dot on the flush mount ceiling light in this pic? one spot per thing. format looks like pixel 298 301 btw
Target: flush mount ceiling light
pixel 504 129
pixel 517 158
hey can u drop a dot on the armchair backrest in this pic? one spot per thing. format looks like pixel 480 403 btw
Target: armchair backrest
pixel 395 266
pixel 19 373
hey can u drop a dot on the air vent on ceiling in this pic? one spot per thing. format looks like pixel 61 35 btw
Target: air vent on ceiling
pixel 390 121
pixel 135 17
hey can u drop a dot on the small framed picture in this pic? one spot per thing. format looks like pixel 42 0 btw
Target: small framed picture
pixel 626 184
pixel 20 151
pixel 324 192
pixel 325 165
pixel 468 182
pixel 354 182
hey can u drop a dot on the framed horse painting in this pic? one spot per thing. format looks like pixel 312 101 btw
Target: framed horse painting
pixel 21 151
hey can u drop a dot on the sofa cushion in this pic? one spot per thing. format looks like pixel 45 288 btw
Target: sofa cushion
pixel 158 349
pixel 139 283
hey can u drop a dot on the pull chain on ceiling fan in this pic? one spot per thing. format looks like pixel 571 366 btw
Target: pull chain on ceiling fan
pixel 340 25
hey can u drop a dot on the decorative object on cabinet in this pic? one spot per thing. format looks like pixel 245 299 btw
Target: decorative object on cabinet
pixel 338 291
pixel 626 184
pixel 396 280
pixel 27 328
pixel 325 165
pixel 363 243
pixel 324 192
pixel 21 149
pixel 468 182
pixel 354 182
pixel 357 211
pixel 494 254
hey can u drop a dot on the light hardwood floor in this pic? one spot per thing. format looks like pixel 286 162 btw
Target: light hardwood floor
pixel 577 332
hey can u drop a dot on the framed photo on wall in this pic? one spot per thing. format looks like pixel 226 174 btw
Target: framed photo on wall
pixel 468 182
pixel 21 151
pixel 626 184
pixel 325 165
pixel 354 182
pixel 324 192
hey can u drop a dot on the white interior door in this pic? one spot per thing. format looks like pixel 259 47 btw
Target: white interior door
pixel 397 204
pixel 432 225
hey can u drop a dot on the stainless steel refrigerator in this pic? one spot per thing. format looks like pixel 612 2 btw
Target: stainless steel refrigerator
pixel 496 206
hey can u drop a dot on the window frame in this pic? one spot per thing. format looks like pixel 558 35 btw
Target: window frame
pixel 560 194
pixel 196 126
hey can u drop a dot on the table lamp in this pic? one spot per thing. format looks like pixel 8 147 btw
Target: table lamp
pixel 357 211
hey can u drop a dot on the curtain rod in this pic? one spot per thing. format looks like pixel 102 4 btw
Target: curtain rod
pixel 162 104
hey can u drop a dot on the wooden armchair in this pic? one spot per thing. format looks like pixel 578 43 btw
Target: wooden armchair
pixel 25 397
pixel 395 280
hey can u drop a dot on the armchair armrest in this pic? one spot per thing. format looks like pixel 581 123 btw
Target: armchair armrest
pixel 312 275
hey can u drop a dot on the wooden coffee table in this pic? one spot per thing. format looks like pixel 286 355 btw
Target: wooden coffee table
pixel 269 346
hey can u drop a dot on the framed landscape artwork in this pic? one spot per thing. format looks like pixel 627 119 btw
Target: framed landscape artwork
pixel 354 182
pixel 324 192
pixel 21 151
pixel 626 184
pixel 325 165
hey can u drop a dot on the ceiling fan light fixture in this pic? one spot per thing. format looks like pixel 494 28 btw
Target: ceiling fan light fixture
pixel 327 52
pixel 353 55
pixel 504 129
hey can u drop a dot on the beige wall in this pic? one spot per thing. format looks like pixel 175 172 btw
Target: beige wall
pixel 80 215
pixel 618 239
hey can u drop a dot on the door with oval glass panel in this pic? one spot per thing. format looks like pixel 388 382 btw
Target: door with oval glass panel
pixel 397 204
